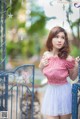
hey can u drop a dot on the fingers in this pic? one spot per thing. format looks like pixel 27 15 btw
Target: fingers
pixel 44 61
pixel 78 59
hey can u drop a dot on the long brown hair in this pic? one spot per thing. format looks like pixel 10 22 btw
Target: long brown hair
pixel 64 51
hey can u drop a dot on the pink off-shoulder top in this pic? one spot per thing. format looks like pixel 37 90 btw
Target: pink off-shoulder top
pixel 57 70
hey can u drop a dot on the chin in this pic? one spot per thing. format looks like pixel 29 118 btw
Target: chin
pixel 59 48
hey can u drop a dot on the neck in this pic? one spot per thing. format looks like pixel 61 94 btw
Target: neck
pixel 55 52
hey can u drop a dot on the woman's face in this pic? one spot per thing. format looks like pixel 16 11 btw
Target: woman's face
pixel 58 40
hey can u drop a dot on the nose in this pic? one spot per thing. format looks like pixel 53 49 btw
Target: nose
pixel 59 39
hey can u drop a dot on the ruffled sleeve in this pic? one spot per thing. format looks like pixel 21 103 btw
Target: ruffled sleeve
pixel 70 63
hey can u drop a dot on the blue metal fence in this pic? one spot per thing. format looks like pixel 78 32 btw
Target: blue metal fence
pixel 75 101
pixel 3 91
pixel 76 98
pixel 2 34
pixel 18 86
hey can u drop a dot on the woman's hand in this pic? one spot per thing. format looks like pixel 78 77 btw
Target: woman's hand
pixel 77 59
pixel 43 62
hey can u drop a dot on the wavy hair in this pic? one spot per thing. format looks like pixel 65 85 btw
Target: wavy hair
pixel 65 50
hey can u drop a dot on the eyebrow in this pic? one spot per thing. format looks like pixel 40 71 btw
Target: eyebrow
pixel 61 36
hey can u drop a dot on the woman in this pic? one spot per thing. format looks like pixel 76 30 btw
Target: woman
pixel 56 64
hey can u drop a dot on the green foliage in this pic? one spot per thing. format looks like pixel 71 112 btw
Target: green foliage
pixel 23 45
pixel 74 29
pixel 21 25
pixel 37 81
pixel 16 5
pixel 75 23
pixel 38 21
pixel 30 48
pixel 34 33
pixel 75 51
pixel 13 49
pixel 21 48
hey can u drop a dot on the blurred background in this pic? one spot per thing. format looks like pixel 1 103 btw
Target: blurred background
pixel 27 26
pixel 28 23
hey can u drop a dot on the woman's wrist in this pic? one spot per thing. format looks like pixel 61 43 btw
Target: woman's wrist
pixel 41 66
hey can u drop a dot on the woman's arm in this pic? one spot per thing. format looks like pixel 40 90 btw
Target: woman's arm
pixel 73 73
pixel 44 60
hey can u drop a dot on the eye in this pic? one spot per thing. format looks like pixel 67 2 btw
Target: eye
pixel 56 36
pixel 63 37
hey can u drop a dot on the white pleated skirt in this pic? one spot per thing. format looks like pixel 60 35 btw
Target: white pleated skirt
pixel 57 100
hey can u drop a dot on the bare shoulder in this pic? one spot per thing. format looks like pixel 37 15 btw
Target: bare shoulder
pixel 47 54
pixel 69 58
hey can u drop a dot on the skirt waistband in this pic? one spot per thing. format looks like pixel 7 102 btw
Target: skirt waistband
pixel 60 84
